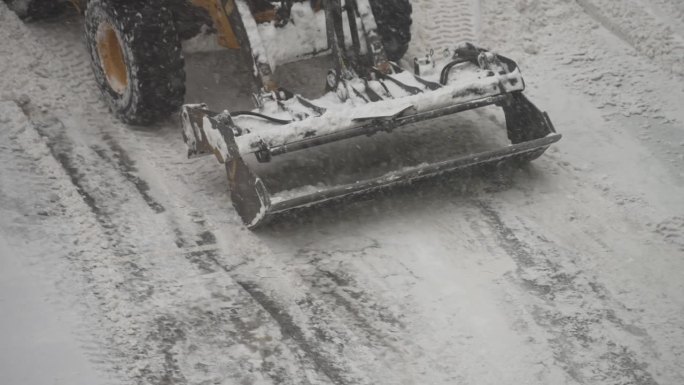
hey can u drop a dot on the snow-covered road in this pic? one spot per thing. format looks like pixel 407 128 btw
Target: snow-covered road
pixel 568 271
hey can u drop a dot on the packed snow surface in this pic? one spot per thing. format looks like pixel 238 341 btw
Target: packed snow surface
pixel 130 259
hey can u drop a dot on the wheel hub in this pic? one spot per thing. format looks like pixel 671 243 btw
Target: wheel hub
pixel 110 50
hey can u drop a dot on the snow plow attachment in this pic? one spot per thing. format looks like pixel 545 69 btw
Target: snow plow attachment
pixel 233 137
pixel 366 95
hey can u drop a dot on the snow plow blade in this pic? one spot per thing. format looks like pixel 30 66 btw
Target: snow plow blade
pixel 529 129
pixel 366 94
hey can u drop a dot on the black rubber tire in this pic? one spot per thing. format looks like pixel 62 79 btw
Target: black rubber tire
pixel 394 25
pixel 36 9
pixel 152 56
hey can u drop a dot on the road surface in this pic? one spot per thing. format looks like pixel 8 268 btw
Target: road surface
pixel 567 271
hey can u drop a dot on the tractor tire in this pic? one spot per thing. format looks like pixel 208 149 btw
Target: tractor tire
pixel 394 25
pixel 29 10
pixel 136 58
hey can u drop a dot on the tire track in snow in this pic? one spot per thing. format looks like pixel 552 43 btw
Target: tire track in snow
pixel 594 62
pixel 167 330
pixel 104 128
pixel 337 374
pixel 100 191
pixel 326 278
pixel 91 241
pixel 39 172
pixel 127 167
pixel 134 272
pixel 357 305
pixel 76 74
pixel 119 140
pixel 647 33
pixel 590 340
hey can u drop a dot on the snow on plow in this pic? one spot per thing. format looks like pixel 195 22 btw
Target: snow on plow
pixel 298 124
pixel 366 94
